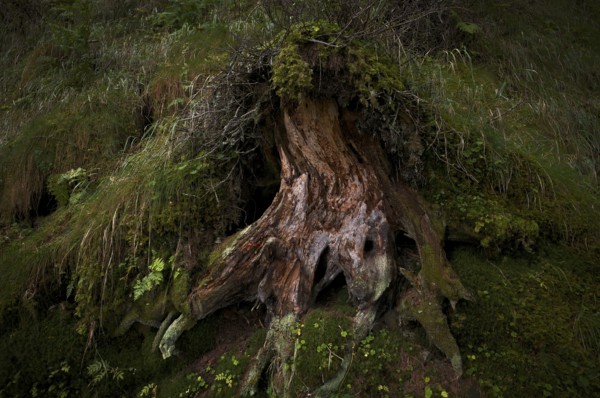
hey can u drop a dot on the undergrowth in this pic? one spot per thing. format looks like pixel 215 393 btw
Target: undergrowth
pixel 517 108
pixel 490 145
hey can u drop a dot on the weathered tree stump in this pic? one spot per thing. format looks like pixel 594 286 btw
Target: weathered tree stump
pixel 337 211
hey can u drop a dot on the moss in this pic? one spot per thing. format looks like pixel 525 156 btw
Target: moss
pixel 292 76
pixel 225 248
pixel 496 225
pixel 510 343
pixel 180 289
pixel 373 74
pixel 312 62
pixel 321 340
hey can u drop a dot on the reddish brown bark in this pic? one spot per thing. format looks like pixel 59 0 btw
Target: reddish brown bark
pixel 330 205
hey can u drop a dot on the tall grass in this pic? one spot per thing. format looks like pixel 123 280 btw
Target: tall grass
pixel 516 113
pixel 115 113
pixel 551 63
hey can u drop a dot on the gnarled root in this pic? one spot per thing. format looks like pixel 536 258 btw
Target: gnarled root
pixel 172 333
pixel 162 329
pixel 278 344
pixel 425 307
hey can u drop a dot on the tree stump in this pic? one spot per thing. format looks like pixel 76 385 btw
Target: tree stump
pixel 337 211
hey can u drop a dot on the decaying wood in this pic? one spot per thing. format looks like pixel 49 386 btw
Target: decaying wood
pixel 337 211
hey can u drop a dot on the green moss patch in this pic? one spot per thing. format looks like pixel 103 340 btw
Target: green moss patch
pixel 533 329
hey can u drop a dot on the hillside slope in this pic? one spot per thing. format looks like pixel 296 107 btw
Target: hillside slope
pixel 139 140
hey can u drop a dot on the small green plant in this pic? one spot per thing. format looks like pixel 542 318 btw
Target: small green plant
pixel 196 383
pixel 225 378
pixel 100 371
pixel 179 13
pixel 58 384
pixel 428 392
pixel 68 188
pixel 330 353
pixel 149 390
pixel 383 390
pixel 150 281
pixel 468 27
pixel 365 346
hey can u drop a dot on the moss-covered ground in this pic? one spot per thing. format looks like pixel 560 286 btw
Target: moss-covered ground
pixel 533 330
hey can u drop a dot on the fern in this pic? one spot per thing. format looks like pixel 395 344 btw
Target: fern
pixel 100 370
pixel 153 279
pixel 97 371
